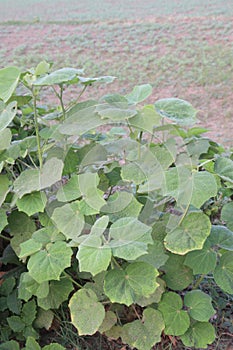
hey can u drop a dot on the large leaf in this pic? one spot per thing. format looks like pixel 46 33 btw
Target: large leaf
pixel 221 237
pixel 143 334
pixel 199 335
pixel 202 261
pixel 147 119
pixel 48 264
pixel 58 293
pixel 7 114
pixel 180 111
pixel 226 214
pixel 188 235
pixel 5 139
pixel 177 275
pixel 124 286
pixel 204 187
pixel 139 93
pixel 32 203
pixel 130 238
pixel 224 168
pixel 199 305
pixel 36 180
pixel 223 273
pixel 87 314
pixel 176 320
pixel 58 77
pixel 69 220
pixel 4 187
pixel 9 78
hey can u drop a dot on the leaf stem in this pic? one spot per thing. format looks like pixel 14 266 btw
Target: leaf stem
pixel 72 280
pixel 6 238
pixel 37 129
pixel 116 263
pixel 198 282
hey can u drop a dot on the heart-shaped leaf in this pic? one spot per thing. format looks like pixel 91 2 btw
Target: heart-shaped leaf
pixel 199 305
pixel 199 335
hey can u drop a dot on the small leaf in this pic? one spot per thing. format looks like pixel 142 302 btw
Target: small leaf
pixel 224 168
pixel 42 68
pixel 221 237
pixel 188 236
pixel 109 321
pixel 9 345
pixel 155 297
pixel 31 344
pixel 3 219
pixel 44 319
pixel 7 114
pixel 156 255
pixel 87 314
pixel 4 188
pixel 147 119
pixel 29 247
pixel 199 304
pixel 5 139
pixel 180 111
pixel 143 334
pixel 204 187
pixel 133 173
pixel 139 93
pixel 48 264
pixel 199 335
pixel 223 273
pixel 70 190
pixel 176 320
pixel 28 287
pixel 58 293
pixel 124 286
pixel 9 78
pixel 32 203
pixel 202 261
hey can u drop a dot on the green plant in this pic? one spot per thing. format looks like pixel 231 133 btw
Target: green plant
pixel 107 206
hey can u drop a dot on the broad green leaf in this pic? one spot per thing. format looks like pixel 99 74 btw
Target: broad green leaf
pixel 129 238
pixel 10 345
pixel 115 113
pixel 5 139
pixel 59 77
pixel 124 286
pixel 103 79
pixel 4 188
pixel 15 323
pixel 48 264
pixel 32 203
pixel 109 321
pixel 120 205
pixel 36 180
pixel 42 68
pixel 20 223
pixel 226 214
pixel 28 287
pixel 201 261
pixel 58 292
pixel 156 255
pixel 88 184
pixel 223 273
pixel 93 256
pixel 204 187
pixel 87 314
pixel 31 344
pixel 133 173
pixel 155 297
pixel 177 110
pixel 224 168
pixel 29 247
pixel 139 93
pixel 70 190
pixel 7 114
pixel 199 335
pixel 69 220
pixel 147 119
pixel 221 237
pixel 143 334
pixel 28 313
pixel 9 78
pixel 176 320
pixel 44 318
pixel 199 305
pixel 177 275
pixel 48 234
pixel 188 235
pixel 3 219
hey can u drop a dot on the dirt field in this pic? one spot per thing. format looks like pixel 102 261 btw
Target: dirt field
pixel 184 49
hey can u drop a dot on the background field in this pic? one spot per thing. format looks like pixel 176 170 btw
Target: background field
pixel 183 48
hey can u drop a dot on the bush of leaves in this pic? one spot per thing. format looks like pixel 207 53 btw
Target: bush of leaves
pixel 109 207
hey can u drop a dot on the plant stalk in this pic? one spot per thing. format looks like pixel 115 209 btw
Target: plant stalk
pixel 37 130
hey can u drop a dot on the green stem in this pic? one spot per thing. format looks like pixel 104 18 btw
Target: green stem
pixel 77 99
pixel 6 238
pixel 72 280
pixel 198 282
pixel 37 129
pixel 116 263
